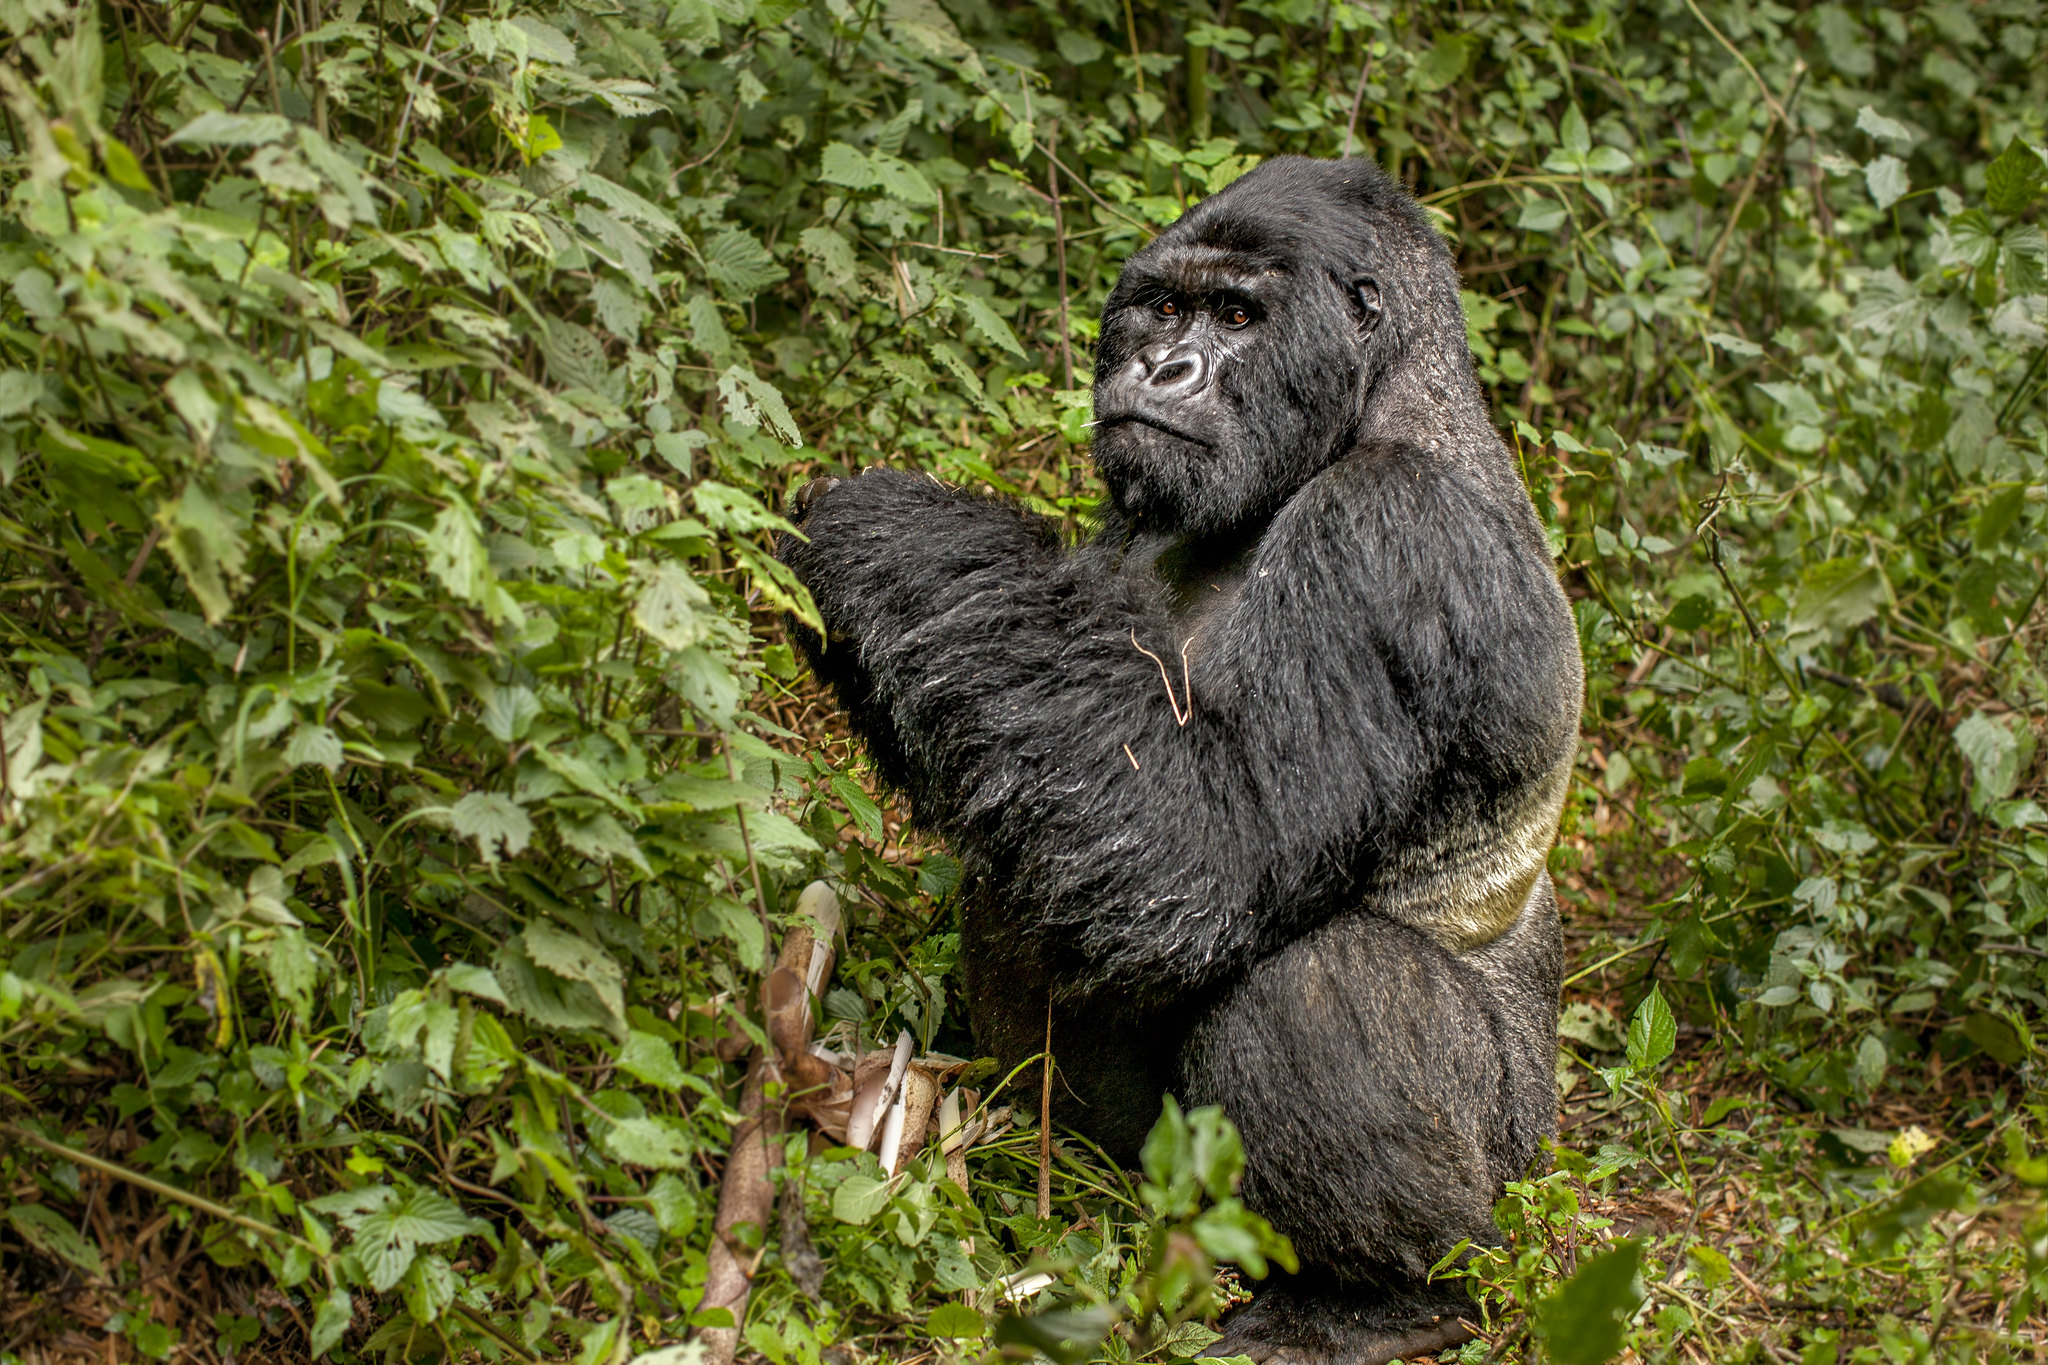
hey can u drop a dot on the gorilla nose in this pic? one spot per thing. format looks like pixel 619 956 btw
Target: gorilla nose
pixel 1175 370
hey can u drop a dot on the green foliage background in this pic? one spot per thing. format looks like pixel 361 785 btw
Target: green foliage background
pixel 401 771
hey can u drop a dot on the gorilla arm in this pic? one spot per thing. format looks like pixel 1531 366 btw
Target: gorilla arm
pixel 1384 664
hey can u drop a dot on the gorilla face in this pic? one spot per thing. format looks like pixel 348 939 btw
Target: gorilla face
pixel 1239 350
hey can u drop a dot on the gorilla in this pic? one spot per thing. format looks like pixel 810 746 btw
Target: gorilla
pixel 1256 787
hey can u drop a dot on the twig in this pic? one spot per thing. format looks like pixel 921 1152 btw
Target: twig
pixel 1180 717
pixel 1059 237
pixel 1045 1121
pixel 1107 207
pixel 1756 169
pixel 1777 110
pixel 1358 97
pixel 155 1187
pixel 405 115
pixel 1131 27
pixel 716 147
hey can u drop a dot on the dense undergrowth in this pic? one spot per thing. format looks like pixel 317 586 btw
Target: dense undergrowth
pixel 402 775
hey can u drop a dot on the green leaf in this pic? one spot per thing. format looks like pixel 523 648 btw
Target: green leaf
pixel 989 323
pixel 2013 179
pixel 652 1143
pixel 496 822
pixel 1444 62
pixel 844 165
pixel 1652 1032
pixel 956 1320
pixel 864 811
pixel 48 1232
pixel 859 1198
pixel 223 129
pixel 1887 180
pixel 1999 1039
pixel 1839 594
pixel 331 1320
pixel 669 604
pixel 601 839
pixel 1581 1323
pixel 752 401
pixel 1998 752
pixel 1997 516
pixel 647 1058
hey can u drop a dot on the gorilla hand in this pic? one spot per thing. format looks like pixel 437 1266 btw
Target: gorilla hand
pixel 804 499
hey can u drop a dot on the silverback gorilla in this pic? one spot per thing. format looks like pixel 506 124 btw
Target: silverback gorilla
pixel 1255 788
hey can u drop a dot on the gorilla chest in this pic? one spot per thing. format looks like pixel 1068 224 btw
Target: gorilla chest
pixel 1201 579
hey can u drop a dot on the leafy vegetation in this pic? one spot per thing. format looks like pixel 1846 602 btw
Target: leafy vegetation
pixel 403 776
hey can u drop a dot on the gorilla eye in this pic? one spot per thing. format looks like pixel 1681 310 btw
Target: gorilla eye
pixel 1235 317
pixel 1169 309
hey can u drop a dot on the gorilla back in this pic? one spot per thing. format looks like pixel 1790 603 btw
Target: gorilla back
pixel 1256 786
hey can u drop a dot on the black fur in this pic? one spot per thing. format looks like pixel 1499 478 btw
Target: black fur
pixel 1288 861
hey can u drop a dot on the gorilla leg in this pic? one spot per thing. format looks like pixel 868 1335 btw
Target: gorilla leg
pixel 1385 1089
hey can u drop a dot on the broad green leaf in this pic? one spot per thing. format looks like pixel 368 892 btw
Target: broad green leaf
pixel 650 1143
pixel 649 1059
pixel 223 129
pixel 1997 751
pixel 1652 1032
pixel 494 821
pixel 2013 179
pixel 989 323
pixel 1839 594
pixel 859 1198
pixel 955 1320
pixel 331 1320
pixel 48 1232
pixel 1887 180
pixel 843 165
pixel 1581 1323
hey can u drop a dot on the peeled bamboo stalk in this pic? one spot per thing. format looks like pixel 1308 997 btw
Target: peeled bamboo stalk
pixel 747 1193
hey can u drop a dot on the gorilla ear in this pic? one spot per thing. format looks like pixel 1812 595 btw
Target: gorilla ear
pixel 1368 293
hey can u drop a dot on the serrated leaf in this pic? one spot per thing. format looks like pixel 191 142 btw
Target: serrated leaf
pixel 669 604
pixel 1999 751
pixel 1884 129
pixel 1838 594
pixel 649 1059
pixel 315 744
pixel 650 1143
pixel 471 979
pixel 495 821
pixel 601 839
pixel 844 165
pixel 859 1198
pixel 956 1320
pixel 752 401
pixel 864 811
pixel 1887 181
pixel 2013 179
pixel 989 323
pixel 739 265
pixel 1652 1032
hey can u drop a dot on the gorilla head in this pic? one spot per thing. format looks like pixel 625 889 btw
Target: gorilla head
pixel 1255 340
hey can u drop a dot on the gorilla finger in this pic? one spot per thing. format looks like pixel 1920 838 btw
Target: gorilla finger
pixel 801 502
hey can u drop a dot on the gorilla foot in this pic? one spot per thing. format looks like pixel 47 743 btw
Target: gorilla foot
pixel 1283 1327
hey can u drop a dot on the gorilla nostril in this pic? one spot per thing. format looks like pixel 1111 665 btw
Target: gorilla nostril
pixel 1178 370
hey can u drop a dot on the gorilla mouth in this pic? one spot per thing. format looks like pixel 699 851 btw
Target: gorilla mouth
pixel 1135 419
